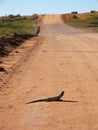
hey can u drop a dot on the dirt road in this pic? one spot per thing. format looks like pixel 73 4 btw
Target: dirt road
pixel 66 60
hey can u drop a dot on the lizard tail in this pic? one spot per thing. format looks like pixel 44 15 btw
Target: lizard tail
pixel 35 101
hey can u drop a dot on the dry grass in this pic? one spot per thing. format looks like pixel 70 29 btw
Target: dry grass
pixel 85 20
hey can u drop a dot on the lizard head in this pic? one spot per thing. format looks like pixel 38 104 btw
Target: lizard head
pixel 62 93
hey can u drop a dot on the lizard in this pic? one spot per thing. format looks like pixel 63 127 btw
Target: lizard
pixel 57 98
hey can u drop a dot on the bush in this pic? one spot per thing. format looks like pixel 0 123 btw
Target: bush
pixel 11 16
pixel 34 16
pixel 93 11
pixel 18 15
pixel 74 12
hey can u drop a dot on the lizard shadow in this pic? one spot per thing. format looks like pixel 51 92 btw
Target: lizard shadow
pixel 70 101
pixel 66 101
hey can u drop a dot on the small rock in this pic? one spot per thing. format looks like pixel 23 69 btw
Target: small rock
pixel 17 51
pixel 2 69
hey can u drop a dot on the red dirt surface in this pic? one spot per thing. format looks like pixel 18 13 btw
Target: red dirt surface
pixel 64 59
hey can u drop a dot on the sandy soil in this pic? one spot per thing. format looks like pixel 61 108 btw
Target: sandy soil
pixel 65 58
pixel 52 19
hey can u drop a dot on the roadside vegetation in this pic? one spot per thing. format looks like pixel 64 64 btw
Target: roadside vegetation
pixel 16 24
pixel 87 20
pixel 14 30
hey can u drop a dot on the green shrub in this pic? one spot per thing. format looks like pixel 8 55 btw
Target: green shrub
pixel 11 16
pixel 93 11
pixel 74 12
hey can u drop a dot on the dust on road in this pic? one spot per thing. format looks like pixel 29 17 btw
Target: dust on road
pixel 66 60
